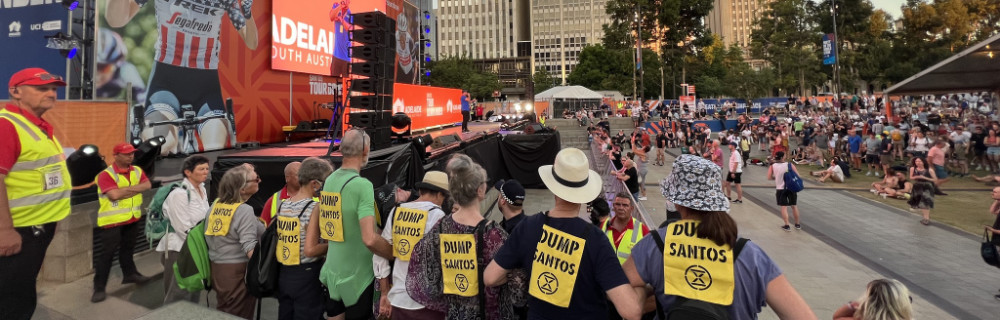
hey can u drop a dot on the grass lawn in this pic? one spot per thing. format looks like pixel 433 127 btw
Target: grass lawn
pixel 965 210
pixel 859 180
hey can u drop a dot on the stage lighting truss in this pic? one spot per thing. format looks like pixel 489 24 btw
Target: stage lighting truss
pixel 68 45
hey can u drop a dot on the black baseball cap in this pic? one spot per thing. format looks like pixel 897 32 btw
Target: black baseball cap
pixel 512 191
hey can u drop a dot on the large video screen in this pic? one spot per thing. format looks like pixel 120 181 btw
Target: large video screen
pixel 312 37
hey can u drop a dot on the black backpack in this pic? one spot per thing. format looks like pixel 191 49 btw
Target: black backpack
pixel 262 270
pixel 684 308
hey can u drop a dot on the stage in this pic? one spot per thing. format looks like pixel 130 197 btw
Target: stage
pixel 504 155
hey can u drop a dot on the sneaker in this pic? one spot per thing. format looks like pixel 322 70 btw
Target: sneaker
pixel 737 201
pixel 798 227
pixel 869 174
pixel 872 190
pixel 877 175
pixel 786 228
pixel 98 296
pixel 979 167
pixel 642 198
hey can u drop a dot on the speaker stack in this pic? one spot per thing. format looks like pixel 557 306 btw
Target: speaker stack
pixel 373 58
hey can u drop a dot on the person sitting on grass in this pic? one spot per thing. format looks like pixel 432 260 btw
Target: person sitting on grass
pixel 989 179
pixel 889 181
pixel 834 172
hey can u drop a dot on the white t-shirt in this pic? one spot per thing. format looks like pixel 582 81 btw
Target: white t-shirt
pixel 779 170
pixel 736 158
pixel 397 294
pixel 838 172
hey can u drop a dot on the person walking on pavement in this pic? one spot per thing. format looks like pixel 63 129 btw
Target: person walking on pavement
pixel 995 229
pixel 786 198
pixel 923 189
pixel 34 188
pixel 555 291
pixel 754 279
pixel 120 189
pixel 232 231
pixel 185 206
pixel 511 203
pixel 290 189
pixel 735 176
pixel 347 221
pixel 407 224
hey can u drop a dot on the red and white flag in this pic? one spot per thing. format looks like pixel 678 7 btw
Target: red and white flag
pixel 691 89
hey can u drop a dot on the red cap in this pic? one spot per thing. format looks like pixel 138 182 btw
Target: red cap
pixel 124 147
pixel 35 77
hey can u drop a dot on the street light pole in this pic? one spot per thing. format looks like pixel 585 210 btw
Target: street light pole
pixel 836 50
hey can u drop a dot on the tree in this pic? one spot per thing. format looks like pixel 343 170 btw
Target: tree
pixel 461 73
pixel 542 80
pixel 787 37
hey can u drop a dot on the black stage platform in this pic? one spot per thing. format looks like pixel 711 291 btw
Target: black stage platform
pixel 504 155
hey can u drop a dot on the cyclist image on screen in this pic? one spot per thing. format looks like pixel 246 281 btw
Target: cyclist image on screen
pixel 114 74
pixel 404 50
pixel 184 81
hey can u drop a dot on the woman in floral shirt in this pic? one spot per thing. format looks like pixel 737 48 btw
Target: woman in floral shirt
pixel 426 282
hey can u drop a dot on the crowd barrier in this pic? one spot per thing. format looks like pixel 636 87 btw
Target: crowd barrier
pixel 612 186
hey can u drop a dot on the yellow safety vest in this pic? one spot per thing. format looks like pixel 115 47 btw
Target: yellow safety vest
pixel 275 202
pixel 113 212
pixel 38 185
pixel 629 238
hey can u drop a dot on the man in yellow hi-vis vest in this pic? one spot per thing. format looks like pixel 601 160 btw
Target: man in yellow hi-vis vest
pixel 622 229
pixel 35 187
pixel 290 189
pixel 120 188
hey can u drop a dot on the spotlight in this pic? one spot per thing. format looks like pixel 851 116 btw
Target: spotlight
pixel 527 106
pixel 84 164
pixel 427 29
pixel 70 4
pixel 401 121
pixel 427 73
pixel 136 142
pixel 421 143
pixel 66 44
pixel 146 154
pixel 427 57
pixel 427 15
pixel 427 44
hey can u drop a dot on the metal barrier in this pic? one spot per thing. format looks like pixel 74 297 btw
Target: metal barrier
pixel 611 185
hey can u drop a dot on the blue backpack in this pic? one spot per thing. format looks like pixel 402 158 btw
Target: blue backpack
pixel 792 181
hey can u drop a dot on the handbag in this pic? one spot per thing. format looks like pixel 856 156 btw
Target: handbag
pixel 989 251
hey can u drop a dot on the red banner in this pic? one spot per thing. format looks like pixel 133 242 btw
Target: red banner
pixel 427 106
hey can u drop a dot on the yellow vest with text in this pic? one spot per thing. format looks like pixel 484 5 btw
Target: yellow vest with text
pixel 629 238
pixel 114 212
pixel 30 202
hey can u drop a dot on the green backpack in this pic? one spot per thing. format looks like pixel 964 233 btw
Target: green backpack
pixel 192 269
pixel 157 223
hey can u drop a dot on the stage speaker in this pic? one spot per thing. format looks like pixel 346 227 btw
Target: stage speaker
pixel 373 53
pixel 370 119
pixel 381 137
pixel 372 85
pixel 304 126
pixel 442 141
pixel 377 103
pixel 372 69
pixel 373 20
pixel 535 128
pixel 370 37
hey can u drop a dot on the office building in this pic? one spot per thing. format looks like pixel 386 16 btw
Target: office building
pixel 561 28
pixel 481 29
pixel 734 20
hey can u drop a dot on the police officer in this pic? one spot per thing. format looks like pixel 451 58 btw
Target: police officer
pixel 120 187
pixel 35 188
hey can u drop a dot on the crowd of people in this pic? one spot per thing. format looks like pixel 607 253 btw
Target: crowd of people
pixel 435 256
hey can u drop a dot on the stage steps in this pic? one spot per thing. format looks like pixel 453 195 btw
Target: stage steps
pixel 573 135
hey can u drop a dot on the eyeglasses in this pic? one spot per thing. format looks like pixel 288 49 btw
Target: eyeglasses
pixel 257 180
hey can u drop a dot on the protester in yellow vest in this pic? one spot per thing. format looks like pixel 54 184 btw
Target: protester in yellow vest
pixel 231 233
pixel 405 226
pixel 446 266
pixel 120 189
pixel 300 294
pixel 698 256
pixel 572 266
pixel 290 189
pixel 35 188
pixel 621 228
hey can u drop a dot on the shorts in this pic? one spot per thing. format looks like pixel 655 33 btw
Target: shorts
pixel 886 159
pixel 177 86
pixel 871 158
pixel 786 197
pixel 940 172
pixel 993 151
pixel 362 310
pixel 735 177
pixel 855 155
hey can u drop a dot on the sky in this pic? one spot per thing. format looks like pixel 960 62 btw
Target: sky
pixel 890 6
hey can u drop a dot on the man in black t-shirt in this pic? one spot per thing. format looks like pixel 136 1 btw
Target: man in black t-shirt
pixel 661 146
pixel 630 176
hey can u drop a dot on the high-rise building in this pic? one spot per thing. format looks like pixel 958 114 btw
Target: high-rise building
pixel 561 28
pixel 735 20
pixel 482 29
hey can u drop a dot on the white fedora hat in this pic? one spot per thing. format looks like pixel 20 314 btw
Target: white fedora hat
pixel 570 177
